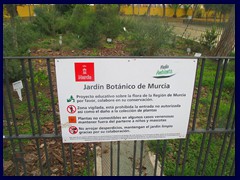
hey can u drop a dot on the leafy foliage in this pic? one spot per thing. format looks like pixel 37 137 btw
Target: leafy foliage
pixel 209 38
pixel 64 8
pixel 46 19
pixel 107 16
pixel 147 38
pixel 85 24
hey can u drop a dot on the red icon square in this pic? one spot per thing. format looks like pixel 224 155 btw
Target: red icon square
pixel 72 119
pixel 84 72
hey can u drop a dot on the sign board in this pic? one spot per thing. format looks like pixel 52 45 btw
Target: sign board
pixel 17 86
pixel 116 99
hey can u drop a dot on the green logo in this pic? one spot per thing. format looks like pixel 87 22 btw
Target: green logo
pixel 71 99
pixel 164 72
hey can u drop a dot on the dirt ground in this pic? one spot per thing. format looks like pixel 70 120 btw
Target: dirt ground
pixel 190 31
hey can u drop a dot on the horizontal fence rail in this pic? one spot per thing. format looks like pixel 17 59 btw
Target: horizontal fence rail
pixel 33 141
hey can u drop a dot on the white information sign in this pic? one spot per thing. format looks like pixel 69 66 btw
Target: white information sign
pixel 116 99
pixel 17 86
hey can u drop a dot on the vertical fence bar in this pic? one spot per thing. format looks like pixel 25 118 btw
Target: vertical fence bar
pixel 194 117
pixel 209 116
pixel 12 112
pixel 47 157
pixel 52 97
pixel 134 157
pixel 215 114
pixel 141 157
pixel 163 156
pixel 28 96
pixel 10 133
pixel 198 95
pixel 64 159
pixel 178 156
pixel 232 168
pixel 28 101
pixel 71 158
pixel 111 158
pixel 225 135
pixel 95 159
pixel 185 154
pixel 34 96
pixel 156 158
pixel 118 157
pixel 228 150
pixel 227 155
pixel 88 161
pixel 39 157
pixel 37 113
pixel 213 95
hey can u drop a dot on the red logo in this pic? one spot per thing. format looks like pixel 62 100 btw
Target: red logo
pixel 84 72
pixel 73 130
pixel 71 109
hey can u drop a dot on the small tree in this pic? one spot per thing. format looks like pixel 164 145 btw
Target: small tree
pixel 149 9
pixel 186 7
pixel 164 10
pixel 64 8
pixel 107 16
pixel 175 7
pixel 209 38
pixel 195 8
pixel 208 8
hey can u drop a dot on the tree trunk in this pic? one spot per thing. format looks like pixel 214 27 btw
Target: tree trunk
pixel 227 41
pixel 215 16
pixel 224 18
pixel 132 9
pixel 195 6
pixel 138 9
pixel 220 17
pixel 119 8
pixel 164 10
pixel 149 9
pixel 29 10
pixel 207 16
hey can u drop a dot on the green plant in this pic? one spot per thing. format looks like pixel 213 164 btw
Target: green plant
pixel 25 36
pixel 209 38
pixel 85 24
pixel 107 16
pixel 46 19
pixel 44 103
pixel 198 13
pixel 147 38
pixel 40 78
pixel 94 53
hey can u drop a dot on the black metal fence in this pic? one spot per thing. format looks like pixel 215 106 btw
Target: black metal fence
pixel 32 138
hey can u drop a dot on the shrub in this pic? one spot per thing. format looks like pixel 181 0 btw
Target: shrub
pixel 78 21
pixel 107 16
pixel 91 34
pixel 25 35
pixel 209 38
pixel 147 38
pixel 64 8
pixel 85 24
pixel 46 19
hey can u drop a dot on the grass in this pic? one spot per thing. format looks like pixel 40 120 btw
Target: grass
pixel 192 156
